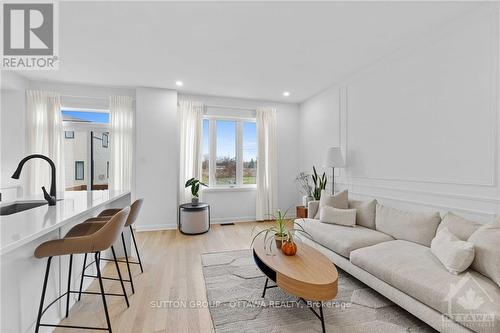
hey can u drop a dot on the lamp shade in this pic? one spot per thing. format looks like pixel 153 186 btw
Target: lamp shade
pixel 334 158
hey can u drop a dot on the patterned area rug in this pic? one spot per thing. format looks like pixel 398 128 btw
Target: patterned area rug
pixel 234 288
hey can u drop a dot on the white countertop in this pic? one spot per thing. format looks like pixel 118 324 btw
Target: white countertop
pixel 21 228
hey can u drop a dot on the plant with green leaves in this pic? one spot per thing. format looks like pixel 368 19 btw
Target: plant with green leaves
pixel 283 228
pixel 319 184
pixel 195 186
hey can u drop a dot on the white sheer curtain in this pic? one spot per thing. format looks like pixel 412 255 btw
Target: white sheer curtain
pixel 267 169
pixel 122 142
pixel 191 133
pixel 44 136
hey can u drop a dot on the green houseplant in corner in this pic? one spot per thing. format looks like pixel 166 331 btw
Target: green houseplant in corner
pixel 319 184
pixel 282 231
pixel 195 188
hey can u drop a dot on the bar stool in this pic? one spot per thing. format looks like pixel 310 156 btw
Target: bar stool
pixel 82 238
pixel 105 215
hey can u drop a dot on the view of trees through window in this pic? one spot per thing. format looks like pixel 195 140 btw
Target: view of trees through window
pixel 235 152
pixel 249 153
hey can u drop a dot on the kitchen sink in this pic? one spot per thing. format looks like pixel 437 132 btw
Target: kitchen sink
pixel 18 207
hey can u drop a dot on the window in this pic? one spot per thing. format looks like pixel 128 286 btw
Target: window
pixel 79 170
pixel 249 153
pixel 225 163
pixel 206 152
pixel 229 152
pixel 88 148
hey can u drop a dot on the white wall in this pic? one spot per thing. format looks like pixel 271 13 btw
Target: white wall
pixel 156 155
pixel 420 127
pixel 13 136
pixel 234 205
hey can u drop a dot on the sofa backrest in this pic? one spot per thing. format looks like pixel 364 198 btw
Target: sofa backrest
pixel 417 227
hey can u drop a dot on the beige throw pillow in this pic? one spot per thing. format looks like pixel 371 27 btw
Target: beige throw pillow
pixel 345 217
pixel 339 200
pixel 487 246
pixel 417 227
pixel 455 254
pixel 457 225
pixel 365 212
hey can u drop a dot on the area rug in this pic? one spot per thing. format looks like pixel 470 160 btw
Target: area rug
pixel 234 287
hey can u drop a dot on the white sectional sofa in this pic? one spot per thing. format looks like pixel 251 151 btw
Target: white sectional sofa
pixel 399 264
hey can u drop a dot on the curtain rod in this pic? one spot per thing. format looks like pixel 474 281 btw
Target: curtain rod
pixel 230 107
pixel 91 97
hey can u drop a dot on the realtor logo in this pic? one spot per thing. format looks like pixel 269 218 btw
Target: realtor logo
pixel 469 304
pixel 29 35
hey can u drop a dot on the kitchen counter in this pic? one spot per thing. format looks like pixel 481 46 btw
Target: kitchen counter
pixel 23 227
pixel 22 274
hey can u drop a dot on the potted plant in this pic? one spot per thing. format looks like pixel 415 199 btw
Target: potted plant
pixel 195 188
pixel 283 230
pixel 319 184
pixel 305 187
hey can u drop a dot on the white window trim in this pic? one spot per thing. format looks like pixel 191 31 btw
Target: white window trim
pixel 212 129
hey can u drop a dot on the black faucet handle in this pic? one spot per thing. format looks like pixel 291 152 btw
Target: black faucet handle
pixel 50 199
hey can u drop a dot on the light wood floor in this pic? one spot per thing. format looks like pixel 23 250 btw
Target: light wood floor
pixel 172 271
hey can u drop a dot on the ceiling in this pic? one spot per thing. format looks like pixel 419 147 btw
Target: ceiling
pixel 248 50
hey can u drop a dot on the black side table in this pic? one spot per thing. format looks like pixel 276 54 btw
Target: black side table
pixel 194 219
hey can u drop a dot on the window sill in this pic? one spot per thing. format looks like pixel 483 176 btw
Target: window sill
pixel 230 189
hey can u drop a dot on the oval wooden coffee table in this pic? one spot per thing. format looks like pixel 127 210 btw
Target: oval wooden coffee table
pixel 309 274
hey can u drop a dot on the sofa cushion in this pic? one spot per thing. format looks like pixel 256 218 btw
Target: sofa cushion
pixel 486 242
pixel 365 212
pixel 457 225
pixel 340 239
pixel 338 200
pixel 345 217
pixel 418 227
pixel 456 255
pixel 414 270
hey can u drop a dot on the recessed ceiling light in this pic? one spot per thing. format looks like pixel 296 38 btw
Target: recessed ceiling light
pixel 286 93
pixel 178 83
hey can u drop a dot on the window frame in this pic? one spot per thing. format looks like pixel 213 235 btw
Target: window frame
pixel 212 152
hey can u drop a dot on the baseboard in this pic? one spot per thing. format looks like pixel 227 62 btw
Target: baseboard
pixel 218 220
pixel 156 227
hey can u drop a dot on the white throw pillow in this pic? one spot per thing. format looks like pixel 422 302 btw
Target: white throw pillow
pixel 455 254
pixel 365 215
pixel 417 227
pixel 486 240
pixel 345 217
pixel 339 200
pixel 459 226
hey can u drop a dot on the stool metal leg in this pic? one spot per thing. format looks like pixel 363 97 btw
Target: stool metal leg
pixel 101 286
pixel 128 264
pixel 69 283
pixel 81 280
pixel 120 276
pixel 44 289
pixel 136 249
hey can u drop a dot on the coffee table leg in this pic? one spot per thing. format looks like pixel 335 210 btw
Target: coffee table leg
pixel 265 288
pixel 322 318
pixel 319 316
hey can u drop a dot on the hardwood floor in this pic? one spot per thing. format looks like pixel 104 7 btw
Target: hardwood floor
pixel 172 272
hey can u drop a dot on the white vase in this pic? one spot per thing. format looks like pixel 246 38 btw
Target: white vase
pixel 306 199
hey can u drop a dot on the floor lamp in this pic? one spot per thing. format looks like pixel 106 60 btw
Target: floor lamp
pixel 334 159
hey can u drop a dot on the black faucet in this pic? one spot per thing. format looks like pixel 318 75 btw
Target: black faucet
pixel 51 198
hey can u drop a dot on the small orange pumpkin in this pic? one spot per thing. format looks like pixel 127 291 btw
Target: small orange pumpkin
pixel 289 248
